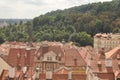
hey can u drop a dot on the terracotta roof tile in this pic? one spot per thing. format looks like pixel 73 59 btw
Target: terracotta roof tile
pixel 73 58
pixel 113 52
pixel 57 49
pixel 17 56
pixel 62 70
pixel 98 64
pixel 87 52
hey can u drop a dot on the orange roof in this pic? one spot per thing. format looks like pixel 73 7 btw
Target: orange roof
pixel 14 53
pixel 117 73
pixel 44 48
pixel 74 58
pixel 98 65
pixel 86 52
pixel 62 70
pixel 112 52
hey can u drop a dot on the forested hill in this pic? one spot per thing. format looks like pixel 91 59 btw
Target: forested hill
pixel 76 24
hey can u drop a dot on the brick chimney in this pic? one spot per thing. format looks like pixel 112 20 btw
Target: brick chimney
pixel 75 62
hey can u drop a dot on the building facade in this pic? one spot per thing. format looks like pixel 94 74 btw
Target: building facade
pixel 60 60
pixel 106 41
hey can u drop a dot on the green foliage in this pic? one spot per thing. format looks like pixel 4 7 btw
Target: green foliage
pixel 1 40
pixel 82 38
pixel 85 39
pixel 78 24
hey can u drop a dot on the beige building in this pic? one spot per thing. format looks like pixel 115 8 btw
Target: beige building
pixel 3 65
pixel 48 58
pixel 106 41
pixel 61 61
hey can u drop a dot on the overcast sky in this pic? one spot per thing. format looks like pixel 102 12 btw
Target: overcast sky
pixel 34 8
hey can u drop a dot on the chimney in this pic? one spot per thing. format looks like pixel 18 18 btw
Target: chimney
pixel 102 53
pixel 99 65
pixel 45 48
pixel 75 62
pixel 70 75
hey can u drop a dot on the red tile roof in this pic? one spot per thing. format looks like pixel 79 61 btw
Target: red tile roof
pixel 113 52
pixel 74 58
pixel 87 52
pixel 57 49
pixel 98 64
pixel 17 56
pixel 62 70
pixel 106 76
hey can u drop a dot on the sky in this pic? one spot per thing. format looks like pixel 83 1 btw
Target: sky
pixel 33 8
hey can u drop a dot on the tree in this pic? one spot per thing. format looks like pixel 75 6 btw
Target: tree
pixel 85 39
pixel 46 36
pixel 1 40
pixel 99 26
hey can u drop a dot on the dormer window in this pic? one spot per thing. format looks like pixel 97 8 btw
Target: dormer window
pixel 49 58
pixel 38 58
pixel 59 58
pixel 108 63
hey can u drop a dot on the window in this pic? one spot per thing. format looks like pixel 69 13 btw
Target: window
pixel 118 78
pixel 38 58
pixel 49 58
pixel 59 58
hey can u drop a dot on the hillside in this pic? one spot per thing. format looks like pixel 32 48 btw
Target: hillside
pixel 76 24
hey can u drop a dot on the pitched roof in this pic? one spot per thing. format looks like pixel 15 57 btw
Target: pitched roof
pixel 73 58
pixel 98 65
pixel 87 52
pixel 62 70
pixel 17 56
pixel 113 52
pixel 45 48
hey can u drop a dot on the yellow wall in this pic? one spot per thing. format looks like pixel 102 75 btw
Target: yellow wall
pixel 78 70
